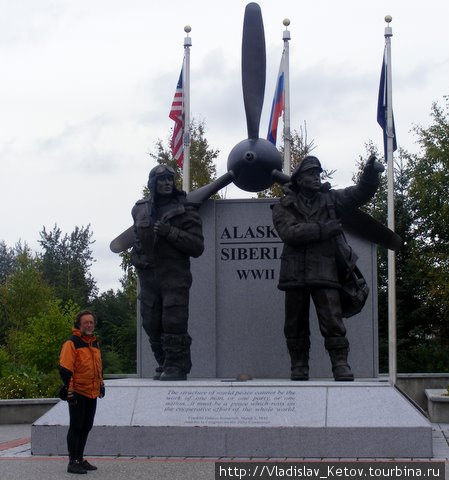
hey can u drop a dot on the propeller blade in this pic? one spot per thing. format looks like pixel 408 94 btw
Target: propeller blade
pixel 253 67
pixel 202 194
pixel 124 241
pixel 127 238
pixel 365 226
pixel 280 177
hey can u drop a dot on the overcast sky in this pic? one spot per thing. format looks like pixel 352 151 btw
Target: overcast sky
pixel 86 88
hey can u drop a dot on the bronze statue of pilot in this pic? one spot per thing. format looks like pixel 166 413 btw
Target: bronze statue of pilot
pixel 167 233
pixel 308 220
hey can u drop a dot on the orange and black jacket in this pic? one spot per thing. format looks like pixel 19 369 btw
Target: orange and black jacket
pixel 80 365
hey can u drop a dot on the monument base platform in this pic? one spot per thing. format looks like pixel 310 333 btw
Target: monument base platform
pixel 257 418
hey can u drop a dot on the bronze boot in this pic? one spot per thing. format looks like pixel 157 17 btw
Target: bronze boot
pixel 338 348
pixel 298 349
pixel 177 363
pixel 159 356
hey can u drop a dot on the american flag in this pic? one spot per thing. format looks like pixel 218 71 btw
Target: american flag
pixel 177 115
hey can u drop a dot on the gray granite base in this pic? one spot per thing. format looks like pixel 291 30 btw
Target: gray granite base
pixel 438 405
pixel 277 418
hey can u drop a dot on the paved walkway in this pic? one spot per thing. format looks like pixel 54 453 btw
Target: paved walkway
pixel 17 463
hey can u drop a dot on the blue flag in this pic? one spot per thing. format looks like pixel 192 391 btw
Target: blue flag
pixel 382 105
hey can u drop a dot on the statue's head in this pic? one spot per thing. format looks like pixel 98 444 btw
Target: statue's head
pixel 307 176
pixel 161 181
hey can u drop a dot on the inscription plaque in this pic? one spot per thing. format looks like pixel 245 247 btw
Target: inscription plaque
pixel 230 405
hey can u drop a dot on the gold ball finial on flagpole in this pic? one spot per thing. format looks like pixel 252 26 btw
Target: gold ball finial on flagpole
pixel 388 18
pixel 187 29
pixel 286 22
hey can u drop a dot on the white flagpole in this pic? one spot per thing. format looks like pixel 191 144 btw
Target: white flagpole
pixel 186 110
pixel 392 340
pixel 287 136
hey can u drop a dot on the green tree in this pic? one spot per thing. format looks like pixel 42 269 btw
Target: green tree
pixel 430 205
pixel 202 157
pixel 300 147
pixel 421 334
pixel 7 261
pixel 116 329
pixel 23 294
pixel 128 281
pixel 410 317
pixel 66 262
pixel 39 342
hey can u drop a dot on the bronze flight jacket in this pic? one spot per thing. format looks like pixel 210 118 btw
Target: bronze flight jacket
pixel 168 256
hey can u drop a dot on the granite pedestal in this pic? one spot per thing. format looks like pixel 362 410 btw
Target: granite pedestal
pixel 257 418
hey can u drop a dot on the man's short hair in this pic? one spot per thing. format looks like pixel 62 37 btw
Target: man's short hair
pixel 81 314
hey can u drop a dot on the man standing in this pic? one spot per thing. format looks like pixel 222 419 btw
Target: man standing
pixel 168 232
pixel 82 374
pixel 307 219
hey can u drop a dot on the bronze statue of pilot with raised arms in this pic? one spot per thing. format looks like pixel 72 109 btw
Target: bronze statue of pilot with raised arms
pixel 308 220
pixel 168 232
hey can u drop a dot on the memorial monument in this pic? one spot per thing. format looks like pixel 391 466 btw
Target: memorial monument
pixel 264 417
pixel 254 164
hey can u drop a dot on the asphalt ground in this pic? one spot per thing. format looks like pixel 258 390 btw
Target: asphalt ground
pixel 17 463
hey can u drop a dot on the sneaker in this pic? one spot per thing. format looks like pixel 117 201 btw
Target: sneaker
pixel 88 466
pixel 76 467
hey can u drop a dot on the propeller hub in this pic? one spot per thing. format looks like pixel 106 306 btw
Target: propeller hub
pixel 252 162
pixel 250 156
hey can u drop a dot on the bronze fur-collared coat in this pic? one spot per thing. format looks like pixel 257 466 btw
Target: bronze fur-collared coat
pixel 308 258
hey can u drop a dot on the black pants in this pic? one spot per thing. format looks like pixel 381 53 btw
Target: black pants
pixel 328 309
pixel 81 420
pixel 163 309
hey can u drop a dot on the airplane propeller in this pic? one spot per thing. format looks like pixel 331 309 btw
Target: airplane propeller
pixel 254 164
pixel 251 162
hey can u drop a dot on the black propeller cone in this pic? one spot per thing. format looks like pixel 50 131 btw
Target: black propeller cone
pixel 252 161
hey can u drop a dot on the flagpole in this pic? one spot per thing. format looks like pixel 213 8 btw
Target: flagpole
pixel 287 137
pixel 186 110
pixel 392 337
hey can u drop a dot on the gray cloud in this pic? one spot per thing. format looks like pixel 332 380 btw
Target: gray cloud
pixel 21 23
pixel 78 147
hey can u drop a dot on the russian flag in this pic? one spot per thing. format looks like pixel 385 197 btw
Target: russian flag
pixel 278 105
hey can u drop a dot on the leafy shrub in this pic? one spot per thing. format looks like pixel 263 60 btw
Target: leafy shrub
pixel 29 383
pixel 49 384
pixel 18 386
